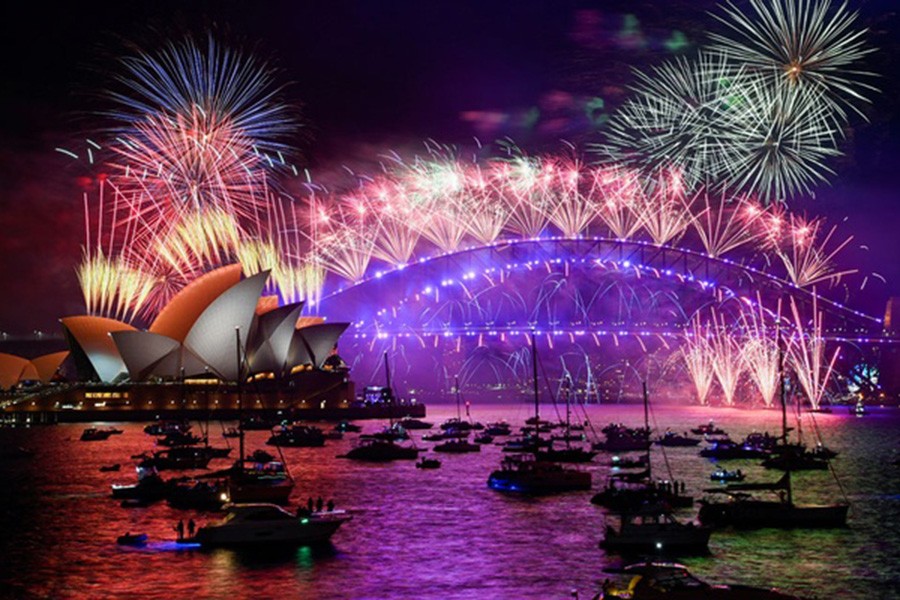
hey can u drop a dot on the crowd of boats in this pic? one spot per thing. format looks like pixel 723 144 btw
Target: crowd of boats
pixel 542 457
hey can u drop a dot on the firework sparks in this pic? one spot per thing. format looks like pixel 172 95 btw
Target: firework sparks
pixel 727 358
pixel 726 225
pixel 778 140
pixel 799 42
pixel 807 256
pixel 674 119
pixel 665 213
pixel 698 358
pixel 808 357
pixel 111 288
pixel 760 352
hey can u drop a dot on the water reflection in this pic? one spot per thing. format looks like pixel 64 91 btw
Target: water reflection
pixel 438 533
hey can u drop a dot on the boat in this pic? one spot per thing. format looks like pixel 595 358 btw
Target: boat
pixel 741 509
pixel 523 473
pixel 528 443
pixel 258 477
pixel 795 458
pixel 662 580
pixel 297 435
pixel 150 487
pixel 725 476
pixel 457 447
pixel 180 438
pixel 654 530
pixel 346 427
pixel 623 441
pixel 110 468
pixel 455 423
pixel 619 462
pixel 374 449
pixel 629 491
pixel 178 458
pixel 410 423
pixel 231 432
pixel 132 539
pixel 745 511
pixel 253 481
pixel 197 494
pixel 708 429
pixel 671 439
pixel 92 434
pixel 520 473
pixel 570 453
pixel 428 463
pixel 257 423
pixel 483 438
pixel 434 437
pixel 498 428
pixel 269 524
pixel 566 455
pixel 393 432
pixel 459 438
pixel 727 449
pixel 162 428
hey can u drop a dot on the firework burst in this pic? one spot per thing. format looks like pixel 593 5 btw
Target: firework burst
pixel 674 118
pixel 698 358
pixel 799 43
pixel 808 254
pixel 760 352
pixel 807 355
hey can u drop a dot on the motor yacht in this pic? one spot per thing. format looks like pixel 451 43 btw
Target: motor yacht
pixel 521 473
pixel 654 530
pixel 248 524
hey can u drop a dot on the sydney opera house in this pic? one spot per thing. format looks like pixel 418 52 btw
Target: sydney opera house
pixel 220 344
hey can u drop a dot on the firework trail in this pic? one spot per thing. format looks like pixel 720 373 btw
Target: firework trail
pixel 698 358
pixel 759 348
pixel 807 355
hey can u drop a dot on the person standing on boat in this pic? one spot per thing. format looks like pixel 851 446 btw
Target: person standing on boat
pixel 180 529
pixel 320 504
pixel 191 527
pixel 310 504
pixel 330 505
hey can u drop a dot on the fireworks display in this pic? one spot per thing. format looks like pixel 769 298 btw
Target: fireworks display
pixel 760 111
pixel 693 161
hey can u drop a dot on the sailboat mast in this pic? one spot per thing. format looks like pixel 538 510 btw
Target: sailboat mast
pixel 534 369
pixel 781 393
pixel 568 411
pixel 456 384
pixel 647 422
pixel 390 390
pixel 237 348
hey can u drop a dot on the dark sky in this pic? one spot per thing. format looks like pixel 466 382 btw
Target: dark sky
pixel 377 75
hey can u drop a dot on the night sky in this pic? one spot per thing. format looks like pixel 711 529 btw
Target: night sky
pixel 374 76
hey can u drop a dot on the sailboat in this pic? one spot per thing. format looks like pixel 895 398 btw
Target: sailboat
pixel 250 480
pixel 630 490
pixel 380 449
pixel 521 473
pixel 742 510
pixel 460 444
pixel 570 454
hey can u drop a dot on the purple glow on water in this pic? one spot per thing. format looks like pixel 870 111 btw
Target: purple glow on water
pixel 444 530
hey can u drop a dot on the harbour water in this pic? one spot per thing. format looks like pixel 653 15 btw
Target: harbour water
pixel 435 533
